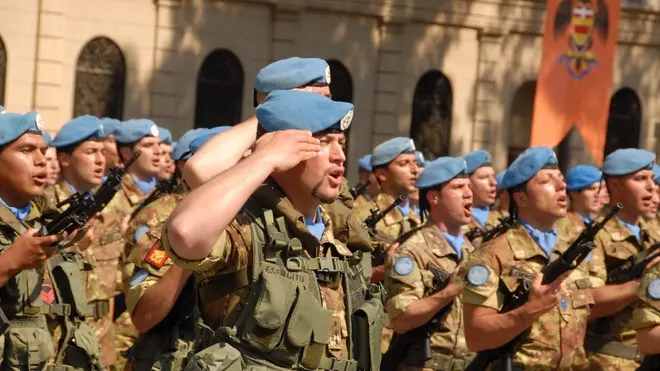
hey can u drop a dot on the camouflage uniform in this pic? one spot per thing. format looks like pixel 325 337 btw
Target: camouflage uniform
pixel 491 222
pixel 121 206
pixel 362 201
pixel 44 328
pixel 224 288
pixel 614 244
pixel 103 255
pixel 428 249
pixel 555 341
pixel 148 256
pixel 647 312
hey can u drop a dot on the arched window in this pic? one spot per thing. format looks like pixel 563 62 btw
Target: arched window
pixel 100 80
pixel 219 90
pixel 341 83
pixel 432 114
pixel 625 121
pixel 520 124
pixel 3 71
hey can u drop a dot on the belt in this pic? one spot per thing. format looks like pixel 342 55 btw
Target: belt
pixel 98 308
pixel 333 364
pixel 597 344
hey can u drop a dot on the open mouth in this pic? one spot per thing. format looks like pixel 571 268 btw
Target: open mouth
pixel 98 173
pixel 40 178
pixel 336 176
pixel 562 201
pixel 467 209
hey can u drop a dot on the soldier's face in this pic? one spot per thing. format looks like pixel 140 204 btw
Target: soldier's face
pixel 484 186
pixel 86 164
pixel 604 195
pixel 166 162
pixel 23 171
pixel 322 175
pixel 545 196
pixel 400 175
pixel 655 202
pixel 148 164
pixel 52 166
pixel 111 153
pixel 634 191
pixel 454 204
pixel 587 200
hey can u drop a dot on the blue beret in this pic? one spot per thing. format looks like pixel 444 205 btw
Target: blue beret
pixel 182 149
pixel 199 141
pixel 499 177
pixel 48 138
pixel 292 73
pixel 476 160
pixel 441 171
pixel 132 131
pixel 13 125
pixel 109 125
pixel 77 130
pixel 365 163
pixel 165 135
pixel 656 174
pixel 387 151
pixel 527 165
pixel 581 177
pixel 419 157
pixel 627 161
pixel 291 109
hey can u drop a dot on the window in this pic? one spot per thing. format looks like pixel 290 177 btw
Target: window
pixel 100 80
pixel 624 122
pixel 432 115
pixel 219 90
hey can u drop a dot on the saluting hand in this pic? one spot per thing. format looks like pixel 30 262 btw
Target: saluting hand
pixel 287 148
pixel 30 251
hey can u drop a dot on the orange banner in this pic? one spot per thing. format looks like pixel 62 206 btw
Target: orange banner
pixel 575 82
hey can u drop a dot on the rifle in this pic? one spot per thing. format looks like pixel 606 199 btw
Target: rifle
pixel 569 260
pixel 163 187
pixel 633 267
pixel 83 207
pixel 359 188
pixel 402 343
pixel 378 255
pixel 506 222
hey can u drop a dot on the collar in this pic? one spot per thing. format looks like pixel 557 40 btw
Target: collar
pixel 145 186
pixel 21 213
pixel 585 219
pixel 545 240
pixel 633 228
pixel 456 242
pixel 316 228
pixel 480 214
pixel 404 207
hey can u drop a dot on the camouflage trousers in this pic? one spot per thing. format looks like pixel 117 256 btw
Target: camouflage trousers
pixel 125 336
pixel 104 330
pixel 603 362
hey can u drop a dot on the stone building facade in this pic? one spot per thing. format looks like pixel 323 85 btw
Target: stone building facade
pixel 457 75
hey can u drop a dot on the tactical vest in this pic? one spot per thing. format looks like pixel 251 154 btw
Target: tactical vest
pixel 28 342
pixel 168 344
pixel 284 324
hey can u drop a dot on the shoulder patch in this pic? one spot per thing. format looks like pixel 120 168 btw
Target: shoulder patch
pixel 156 257
pixel 478 275
pixel 403 266
pixel 139 276
pixel 653 290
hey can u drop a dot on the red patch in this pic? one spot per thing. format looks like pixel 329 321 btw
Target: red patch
pixel 47 293
pixel 156 257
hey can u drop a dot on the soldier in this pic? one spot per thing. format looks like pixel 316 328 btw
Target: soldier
pixel 366 174
pixel 583 184
pixel 646 316
pixel 483 183
pixel 430 254
pixel 167 166
pixel 300 159
pixel 52 165
pixel 395 166
pixel 161 297
pixel 557 312
pixel 629 180
pixel 414 197
pixel 47 327
pixel 111 153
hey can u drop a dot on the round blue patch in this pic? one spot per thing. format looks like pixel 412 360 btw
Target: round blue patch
pixel 654 289
pixel 403 266
pixel 139 276
pixel 478 275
